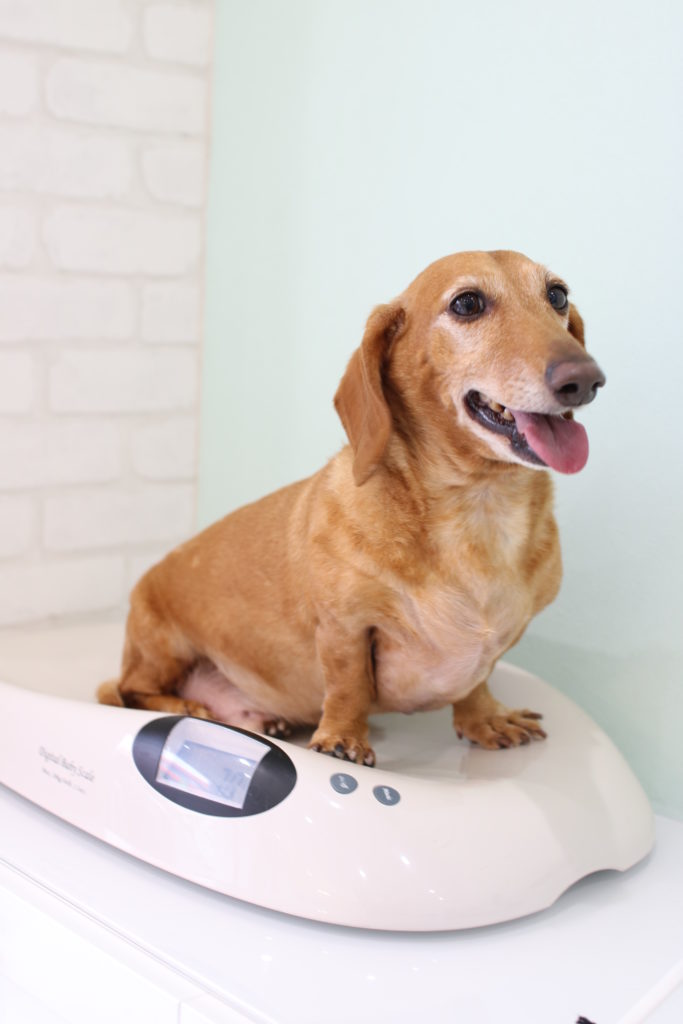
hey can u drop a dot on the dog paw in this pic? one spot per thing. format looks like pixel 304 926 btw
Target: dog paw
pixel 278 728
pixel 348 748
pixel 197 710
pixel 503 728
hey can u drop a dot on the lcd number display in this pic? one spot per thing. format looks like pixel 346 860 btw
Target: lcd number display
pixel 209 761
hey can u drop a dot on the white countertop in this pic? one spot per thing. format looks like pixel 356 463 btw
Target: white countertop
pixel 596 952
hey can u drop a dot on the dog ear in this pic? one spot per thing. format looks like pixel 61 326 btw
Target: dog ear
pixel 576 325
pixel 360 400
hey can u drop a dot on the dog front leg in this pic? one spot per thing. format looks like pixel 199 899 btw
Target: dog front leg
pixel 349 690
pixel 484 720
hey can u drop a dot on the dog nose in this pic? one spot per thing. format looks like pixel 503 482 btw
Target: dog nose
pixel 575 381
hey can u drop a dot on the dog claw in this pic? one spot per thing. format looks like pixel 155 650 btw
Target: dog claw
pixel 278 728
pixel 346 750
pixel 497 727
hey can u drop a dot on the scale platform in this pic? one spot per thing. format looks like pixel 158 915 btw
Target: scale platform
pixel 440 836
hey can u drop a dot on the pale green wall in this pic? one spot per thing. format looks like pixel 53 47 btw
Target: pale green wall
pixel 355 142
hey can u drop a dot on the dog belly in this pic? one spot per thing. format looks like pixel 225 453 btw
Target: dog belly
pixel 207 685
pixel 237 696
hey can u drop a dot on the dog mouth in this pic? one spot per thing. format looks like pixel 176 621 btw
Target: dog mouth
pixel 543 439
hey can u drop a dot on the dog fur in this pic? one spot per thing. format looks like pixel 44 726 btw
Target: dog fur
pixel 396 576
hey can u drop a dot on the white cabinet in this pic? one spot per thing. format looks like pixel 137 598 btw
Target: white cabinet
pixel 59 966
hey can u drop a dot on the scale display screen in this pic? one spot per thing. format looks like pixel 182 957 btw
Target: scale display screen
pixel 215 764
pixel 212 768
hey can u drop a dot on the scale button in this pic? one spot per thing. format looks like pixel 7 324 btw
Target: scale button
pixel 387 795
pixel 343 783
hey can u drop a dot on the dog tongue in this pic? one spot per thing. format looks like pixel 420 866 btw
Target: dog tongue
pixel 562 444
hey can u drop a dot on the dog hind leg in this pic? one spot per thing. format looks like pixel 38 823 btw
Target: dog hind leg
pixel 156 659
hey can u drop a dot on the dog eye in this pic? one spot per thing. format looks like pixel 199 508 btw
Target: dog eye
pixel 467 304
pixel 558 298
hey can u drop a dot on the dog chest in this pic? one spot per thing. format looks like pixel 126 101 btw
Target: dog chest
pixel 442 643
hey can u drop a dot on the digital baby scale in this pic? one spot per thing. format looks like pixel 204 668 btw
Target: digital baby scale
pixel 441 835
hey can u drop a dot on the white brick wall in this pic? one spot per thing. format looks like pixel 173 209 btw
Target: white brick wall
pixel 64 162
pixel 102 517
pixel 123 381
pixel 105 25
pixel 171 313
pixel 103 168
pixel 54 450
pixel 18 517
pixel 95 92
pixel 120 241
pixel 60 308
pixel 61 586
pixel 18 382
pixel 18 84
pixel 17 236
pixel 175 174
pixel 178 32
pixel 166 449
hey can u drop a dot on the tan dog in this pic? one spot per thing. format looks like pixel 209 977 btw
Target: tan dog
pixel 396 576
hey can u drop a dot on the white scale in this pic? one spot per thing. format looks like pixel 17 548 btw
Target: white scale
pixel 442 835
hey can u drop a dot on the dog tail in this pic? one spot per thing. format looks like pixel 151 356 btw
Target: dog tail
pixel 109 693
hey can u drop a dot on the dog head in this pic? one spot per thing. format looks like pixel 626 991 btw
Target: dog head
pixel 481 360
